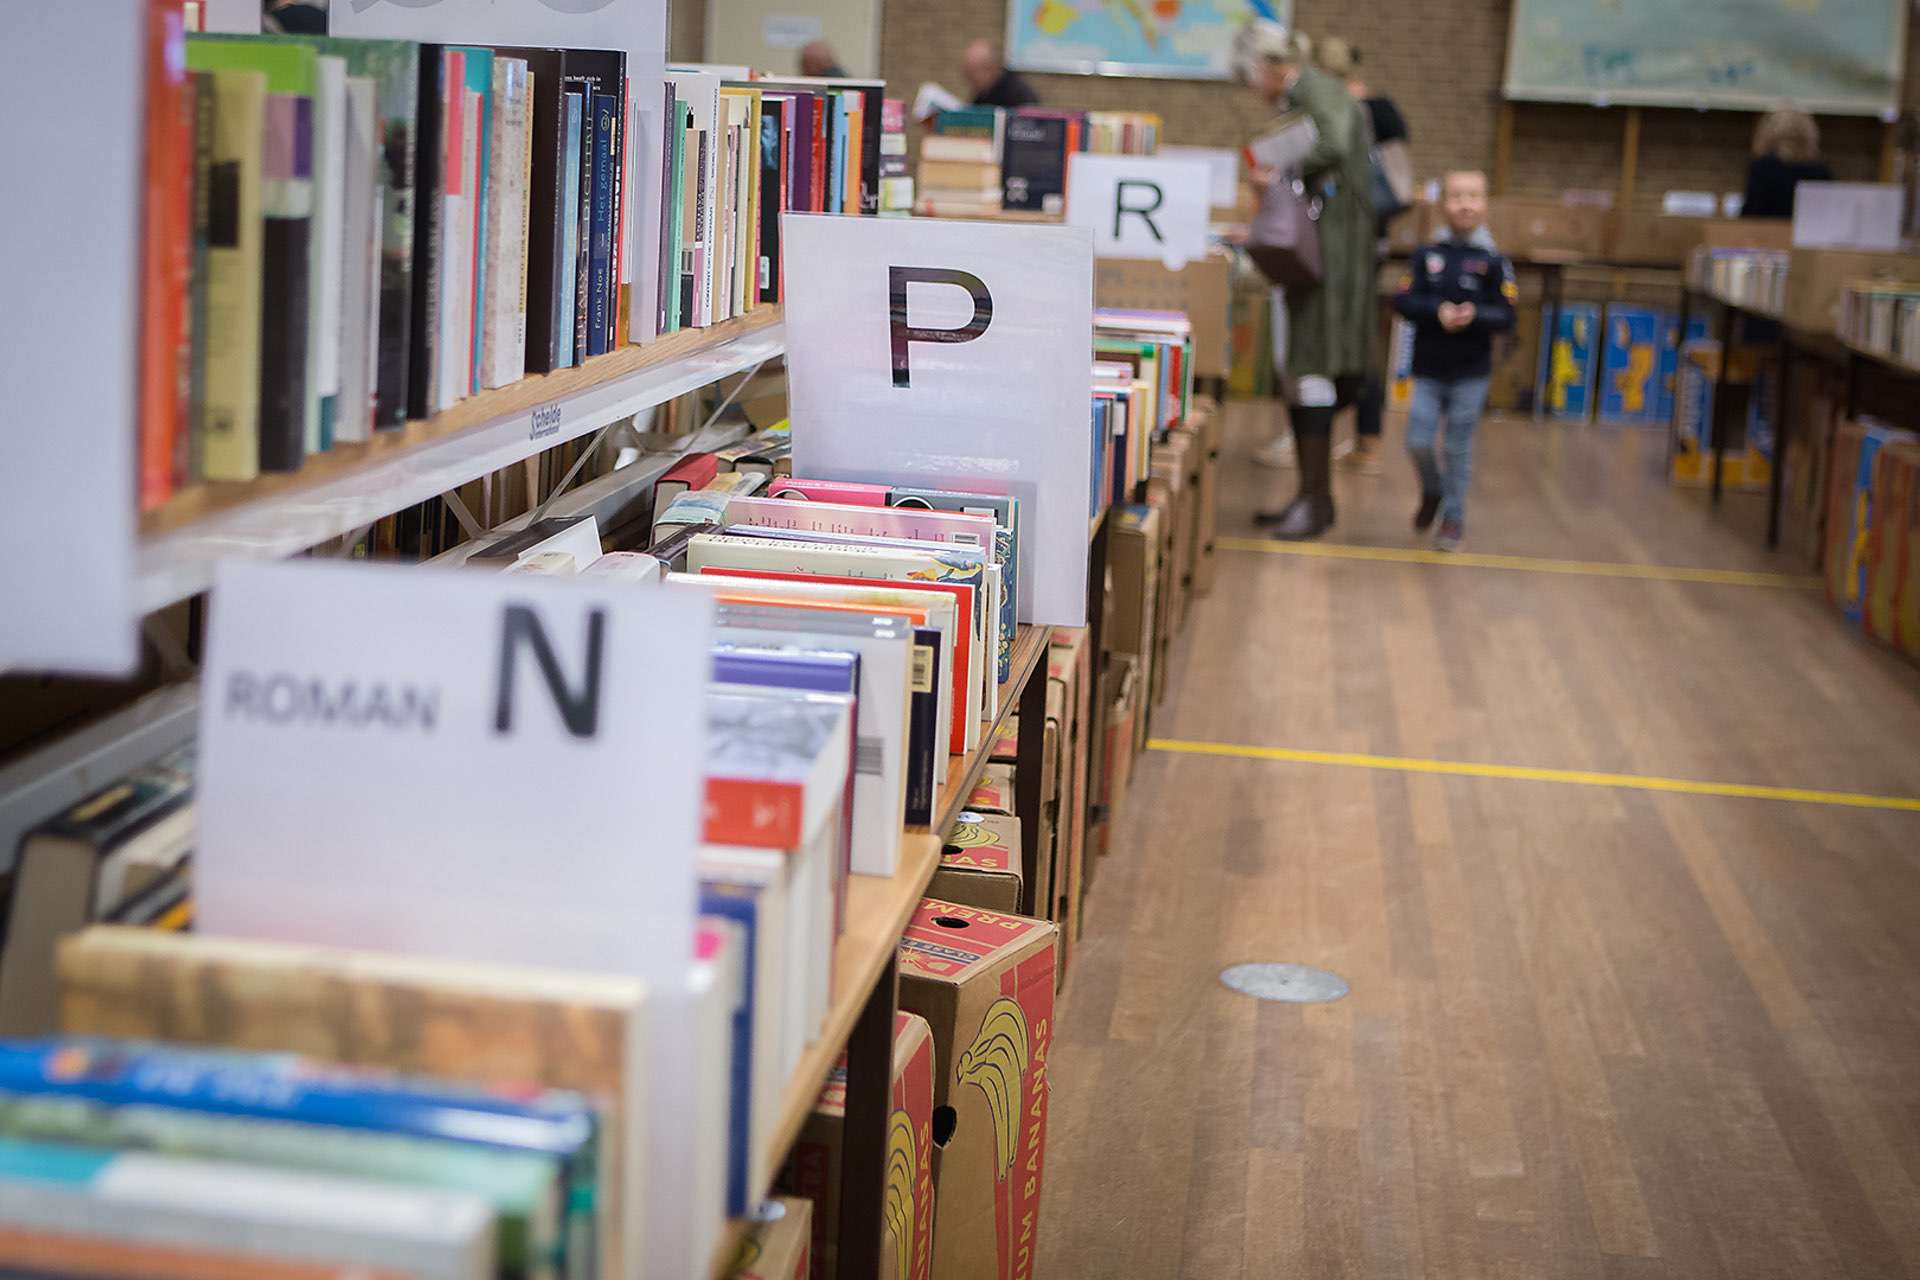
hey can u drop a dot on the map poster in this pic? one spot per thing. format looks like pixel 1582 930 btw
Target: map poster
pixel 1174 39
pixel 1840 57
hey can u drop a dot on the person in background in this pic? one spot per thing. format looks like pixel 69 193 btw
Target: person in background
pixel 1330 326
pixel 1342 59
pixel 817 59
pixel 1278 452
pixel 992 84
pixel 1458 292
pixel 295 18
pixel 1786 153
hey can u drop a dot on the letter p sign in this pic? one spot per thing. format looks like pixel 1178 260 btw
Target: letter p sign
pixel 904 331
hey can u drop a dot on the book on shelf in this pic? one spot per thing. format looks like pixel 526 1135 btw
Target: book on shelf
pixel 712 1129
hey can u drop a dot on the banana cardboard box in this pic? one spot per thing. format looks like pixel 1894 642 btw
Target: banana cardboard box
pixel 779 1244
pixel 1006 747
pixel 1856 455
pixel 1906 623
pixel 814 1168
pixel 994 792
pixel 1568 360
pixel 985 982
pixel 981 865
pixel 1068 667
pixel 1893 497
pixel 1630 363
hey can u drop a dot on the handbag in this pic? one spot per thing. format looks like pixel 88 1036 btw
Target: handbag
pixel 1392 178
pixel 1283 240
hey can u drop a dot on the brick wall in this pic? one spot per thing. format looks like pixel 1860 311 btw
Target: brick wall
pixel 1440 60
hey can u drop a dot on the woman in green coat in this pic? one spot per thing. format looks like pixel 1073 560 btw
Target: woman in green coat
pixel 1330 326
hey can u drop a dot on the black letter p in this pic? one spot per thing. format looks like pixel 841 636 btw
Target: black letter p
pixel 898 278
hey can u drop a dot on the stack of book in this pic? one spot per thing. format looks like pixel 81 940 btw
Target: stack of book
pixel 1143 386
pixel 960 162
pixel 1882 316
pixel 896 179
pixel 342 235
pixel 980 159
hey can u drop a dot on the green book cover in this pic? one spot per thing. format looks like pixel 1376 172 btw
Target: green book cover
pixel 528 1192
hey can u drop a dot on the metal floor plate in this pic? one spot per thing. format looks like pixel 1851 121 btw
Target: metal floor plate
pixel 1293 983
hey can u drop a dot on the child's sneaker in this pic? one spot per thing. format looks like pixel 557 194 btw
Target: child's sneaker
pixel 1448 539
pixel 1429 508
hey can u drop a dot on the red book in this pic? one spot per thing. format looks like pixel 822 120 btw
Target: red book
pixel 166 251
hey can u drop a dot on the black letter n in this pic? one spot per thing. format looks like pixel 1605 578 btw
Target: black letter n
pixel 579 712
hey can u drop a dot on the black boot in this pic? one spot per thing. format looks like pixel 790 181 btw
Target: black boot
pixel 1311 514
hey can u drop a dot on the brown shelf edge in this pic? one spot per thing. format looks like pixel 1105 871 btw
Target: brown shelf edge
pixel 877 913
pixel 213 497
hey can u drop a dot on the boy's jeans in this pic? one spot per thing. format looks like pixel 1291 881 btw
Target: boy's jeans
pixel 1460 402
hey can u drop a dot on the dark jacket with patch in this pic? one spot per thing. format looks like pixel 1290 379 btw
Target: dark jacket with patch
pixel 1450 270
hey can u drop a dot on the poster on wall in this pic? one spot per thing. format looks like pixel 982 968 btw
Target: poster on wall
pixel 1172 39
pixel 1838 57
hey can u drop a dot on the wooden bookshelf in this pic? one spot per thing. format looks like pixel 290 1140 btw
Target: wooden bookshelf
pixel 1886 359
pixel 1751 308
pixel 353 485
pixel 878 909
pixel 963 772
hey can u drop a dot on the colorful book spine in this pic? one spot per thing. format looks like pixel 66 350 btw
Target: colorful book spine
pixel 600 299
pixel 564 356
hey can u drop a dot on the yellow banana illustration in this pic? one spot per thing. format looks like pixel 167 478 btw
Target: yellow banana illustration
pixel 996 1064
pixel 900 1173
pixel 969 835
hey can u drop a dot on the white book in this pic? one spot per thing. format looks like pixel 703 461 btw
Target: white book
pixel 943 565
pixel 746 177
pixel 880 755
pixel 144 1198
pixel 159 849
pixel 456 269
pixel 628 567
pixel 364 198
pixel 941 609
pixel 503 337
pixel 762 877
pixel 325 252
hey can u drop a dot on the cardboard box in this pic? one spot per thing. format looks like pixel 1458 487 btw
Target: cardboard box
pixel 1527 228
pixel 1122 698
pixel 1893 478
pixel 1006 747
pixel 1817 277
pixel 980 864
pixel 1748 460
pixel 1653 239
pixel 814 1167
pixel 1133 557
pixel 1906 627
pixel 1250 335
pixel 1569 361
pixel 1630 358
pixel 985 985
pixel 994 792
pixel 1747 233
pixel 1850 516
pixel 1200 289
pixel 1171 468
pixel 1516 355
pixel 764 399
pixel 779 1243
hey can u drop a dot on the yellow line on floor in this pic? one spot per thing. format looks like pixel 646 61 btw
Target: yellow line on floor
pixel 1523 773
pixel 1529 564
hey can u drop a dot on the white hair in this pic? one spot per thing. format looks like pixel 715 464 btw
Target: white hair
pixel 1264 40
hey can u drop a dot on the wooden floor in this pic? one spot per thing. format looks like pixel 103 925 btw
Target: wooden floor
pixel 1593 1032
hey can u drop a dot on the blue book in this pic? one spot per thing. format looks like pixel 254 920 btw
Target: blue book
pixel 814 671
pixel 606 111
pixel 479 64
pixel 837 157
pixel 570 235
pixel 737 903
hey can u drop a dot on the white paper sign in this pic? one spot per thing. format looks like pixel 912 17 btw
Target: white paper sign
pixel 71 417
pixel 1141 206
pixel 636 27
pixel 789 30
pixel 439 762
pixel 1223 171
pixel 1847 215
pixel 951 355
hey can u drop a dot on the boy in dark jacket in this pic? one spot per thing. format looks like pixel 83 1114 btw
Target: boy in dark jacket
pixel 1458 294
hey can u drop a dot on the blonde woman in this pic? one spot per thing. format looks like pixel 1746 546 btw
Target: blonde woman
pixel 1786 153
pixel 1329 326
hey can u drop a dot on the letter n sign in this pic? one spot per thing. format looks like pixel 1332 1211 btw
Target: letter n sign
pixel 901 325
pixel 579 709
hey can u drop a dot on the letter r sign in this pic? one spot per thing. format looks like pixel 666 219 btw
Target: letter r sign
pixel 901 327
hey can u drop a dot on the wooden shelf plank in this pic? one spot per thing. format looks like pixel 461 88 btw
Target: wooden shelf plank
pixel 1884 358
pixel 878 909
pixel 351 486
